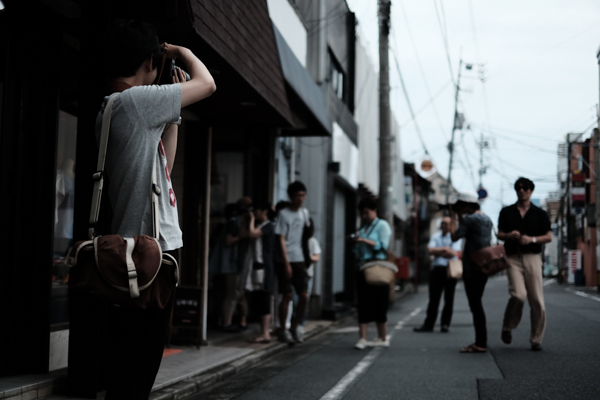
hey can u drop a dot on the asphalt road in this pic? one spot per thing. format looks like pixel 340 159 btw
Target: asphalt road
pixel 429 365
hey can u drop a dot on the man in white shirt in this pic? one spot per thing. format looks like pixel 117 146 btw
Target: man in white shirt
pixel 289 230
pixel 443 249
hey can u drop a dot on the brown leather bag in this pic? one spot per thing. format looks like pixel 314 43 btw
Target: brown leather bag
pixel 127 272
pixel 491 259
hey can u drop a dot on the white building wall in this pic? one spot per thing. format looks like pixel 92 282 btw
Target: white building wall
pixel 346 153
pixel 366 115
pixel 311 168
pixel 288 22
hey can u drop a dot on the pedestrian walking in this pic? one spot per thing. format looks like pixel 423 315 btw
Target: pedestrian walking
pixel 291 223
pixel 476 228
pixel 261 280
pixel 524 229
pixel 370 244
pixel 443 249
pixel 143 131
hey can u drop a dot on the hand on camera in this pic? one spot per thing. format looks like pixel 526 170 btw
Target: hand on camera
pixel 179 76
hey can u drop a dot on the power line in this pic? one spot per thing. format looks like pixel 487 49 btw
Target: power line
pixel 414 46
pixel 445 39
pixel 442 90
pixel 409 103
pixel 544 51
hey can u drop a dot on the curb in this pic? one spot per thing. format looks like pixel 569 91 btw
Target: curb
pixel 197 383
pixel 203 380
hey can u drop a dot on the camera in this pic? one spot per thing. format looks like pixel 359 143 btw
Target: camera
pixel 173 70
pixel 169 71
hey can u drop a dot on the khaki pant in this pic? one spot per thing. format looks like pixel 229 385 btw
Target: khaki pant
pixel 525 281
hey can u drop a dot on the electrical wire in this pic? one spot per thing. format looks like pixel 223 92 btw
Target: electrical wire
pixel 549 49
pixel 444 39
pixel 412 113
pixel 442 90
pixel 414 46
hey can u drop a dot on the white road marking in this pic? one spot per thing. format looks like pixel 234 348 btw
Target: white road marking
pixel 348 329
pixel 550 282
pixel 582 294
pixel 340 389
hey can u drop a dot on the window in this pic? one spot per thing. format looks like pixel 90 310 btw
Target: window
pixel 336 77
pixel 63 215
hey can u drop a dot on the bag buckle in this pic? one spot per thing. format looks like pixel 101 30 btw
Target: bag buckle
pixel 98 175
pixel 156 189
pixel 132 274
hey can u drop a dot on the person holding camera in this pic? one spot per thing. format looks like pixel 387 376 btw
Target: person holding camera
pixel 524 229
pixel 371 243
pixel 476 228
pixel 143 131
pixel 261 279
pixel 238 264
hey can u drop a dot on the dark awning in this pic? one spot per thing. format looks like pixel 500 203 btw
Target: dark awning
pixel 240 33
pixel 315 121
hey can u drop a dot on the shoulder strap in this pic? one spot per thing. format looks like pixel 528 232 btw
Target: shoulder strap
pixel 99 177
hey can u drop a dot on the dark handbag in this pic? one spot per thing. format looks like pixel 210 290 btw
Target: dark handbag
pixel 127 272
pixel 491 259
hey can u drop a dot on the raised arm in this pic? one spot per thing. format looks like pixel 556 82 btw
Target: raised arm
pixel 201 85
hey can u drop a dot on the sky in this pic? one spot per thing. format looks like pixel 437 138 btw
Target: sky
pixel 538 61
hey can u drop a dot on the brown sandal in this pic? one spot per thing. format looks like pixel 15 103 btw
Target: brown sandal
pixel 473 349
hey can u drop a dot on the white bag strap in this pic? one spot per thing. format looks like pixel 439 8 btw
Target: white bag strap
pixel 99 177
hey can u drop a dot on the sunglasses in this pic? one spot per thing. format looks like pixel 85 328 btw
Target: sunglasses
pixel 524 188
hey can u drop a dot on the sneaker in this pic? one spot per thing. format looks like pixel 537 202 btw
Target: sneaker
pixel 377 342
pixel 361 344
pixel 536 347
pixel 298 335
pixel 445 329
pixel 507 337
pixel 286 337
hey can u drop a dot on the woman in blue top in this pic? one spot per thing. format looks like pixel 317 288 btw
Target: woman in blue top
pixel 371 243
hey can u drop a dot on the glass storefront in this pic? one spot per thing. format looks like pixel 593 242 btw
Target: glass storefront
pixel 63 216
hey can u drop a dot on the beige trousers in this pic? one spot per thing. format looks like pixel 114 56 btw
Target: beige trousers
pixel 525 281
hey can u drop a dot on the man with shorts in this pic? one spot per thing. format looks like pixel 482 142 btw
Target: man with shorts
pixel 143 133
pixel 293 271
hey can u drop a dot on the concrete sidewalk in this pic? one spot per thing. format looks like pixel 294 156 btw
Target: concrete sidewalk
pixel 184 369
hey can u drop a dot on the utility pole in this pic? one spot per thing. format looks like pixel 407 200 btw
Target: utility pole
pixel 385 133
pixel 451 144
pixel 483 144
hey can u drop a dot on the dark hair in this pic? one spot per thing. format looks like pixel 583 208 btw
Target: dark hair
pixel 525 183
pixel 127 44
pixel 367 203
pixel 281 205
pixel 230 210
pixel 266 206
pixel 295 187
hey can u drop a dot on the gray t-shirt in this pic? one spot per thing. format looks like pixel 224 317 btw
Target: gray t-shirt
pixel 138 119
pixel 291 225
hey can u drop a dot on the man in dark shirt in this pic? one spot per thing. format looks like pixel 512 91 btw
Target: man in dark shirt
pixel 524 229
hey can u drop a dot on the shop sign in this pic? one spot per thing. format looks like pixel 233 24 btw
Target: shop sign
pixel 573 264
